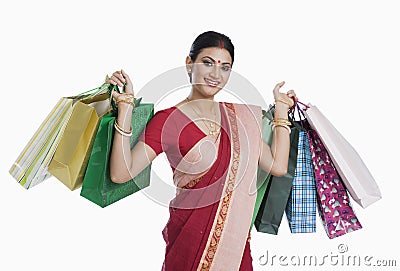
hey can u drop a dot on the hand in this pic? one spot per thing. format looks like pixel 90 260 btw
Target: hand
pixel 119 78
pixel 289 98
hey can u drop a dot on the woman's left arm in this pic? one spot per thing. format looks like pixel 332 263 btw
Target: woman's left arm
pixel 275 159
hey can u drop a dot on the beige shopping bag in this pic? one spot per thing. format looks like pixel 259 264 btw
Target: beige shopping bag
pixel 356 176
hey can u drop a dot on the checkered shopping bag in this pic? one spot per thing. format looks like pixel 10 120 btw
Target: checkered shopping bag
pixel 302 204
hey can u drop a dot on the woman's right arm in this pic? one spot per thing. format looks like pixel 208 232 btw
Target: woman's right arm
pixel 125 163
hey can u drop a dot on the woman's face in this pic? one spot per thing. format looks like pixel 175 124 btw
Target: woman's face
pixel 210 71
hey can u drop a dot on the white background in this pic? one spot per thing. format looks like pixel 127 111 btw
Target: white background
pixel 342 56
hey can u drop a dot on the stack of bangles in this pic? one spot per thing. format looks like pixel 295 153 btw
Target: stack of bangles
pixel 129 99
pixel 283 123
pixel 121 131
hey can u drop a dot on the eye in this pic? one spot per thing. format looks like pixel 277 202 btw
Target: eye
pixel 207 63
pixel 225 68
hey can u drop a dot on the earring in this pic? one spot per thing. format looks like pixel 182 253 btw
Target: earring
pixel 190 76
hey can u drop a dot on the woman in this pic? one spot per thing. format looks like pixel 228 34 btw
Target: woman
pixel 214 150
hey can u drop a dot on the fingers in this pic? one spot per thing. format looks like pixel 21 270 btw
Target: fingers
pixel 291 94
pixel 114 94
pixel 125 75
pixel 112 82
pixel 119 75
pixel 127 79
pixel 277 88
pixel 117 79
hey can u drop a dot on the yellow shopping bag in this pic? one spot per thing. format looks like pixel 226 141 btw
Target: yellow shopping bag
pixel 72 154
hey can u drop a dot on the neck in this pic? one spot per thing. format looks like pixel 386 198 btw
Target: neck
pixel 203 103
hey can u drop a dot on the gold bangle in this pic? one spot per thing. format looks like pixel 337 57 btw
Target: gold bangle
pixel 281 125
pixel 127 102
pixel 120 128
pixel 126 97
pixel 282 120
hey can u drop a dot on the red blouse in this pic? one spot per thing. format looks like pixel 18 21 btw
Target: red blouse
pixel 172 132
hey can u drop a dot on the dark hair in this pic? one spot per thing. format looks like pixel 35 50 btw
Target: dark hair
pixel 211 39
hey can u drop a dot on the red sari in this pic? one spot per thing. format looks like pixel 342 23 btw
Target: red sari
pixel 197 229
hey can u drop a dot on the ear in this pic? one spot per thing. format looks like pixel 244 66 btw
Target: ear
pixel 189 64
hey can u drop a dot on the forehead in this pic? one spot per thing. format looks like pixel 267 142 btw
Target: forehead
pixel 216 53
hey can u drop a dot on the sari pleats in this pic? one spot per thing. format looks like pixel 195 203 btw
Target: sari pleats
pixel 188 230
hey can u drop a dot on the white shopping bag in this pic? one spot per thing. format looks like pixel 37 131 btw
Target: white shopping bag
pixel 30 168
pixel 356 176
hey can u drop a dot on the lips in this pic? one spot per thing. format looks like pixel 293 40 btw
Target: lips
pixel 211 83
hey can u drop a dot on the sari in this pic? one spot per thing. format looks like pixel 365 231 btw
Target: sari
pixel 215 178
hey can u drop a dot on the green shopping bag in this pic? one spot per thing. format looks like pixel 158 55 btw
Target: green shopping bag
pixel 97 185
pixel 262 176
pixel 277 191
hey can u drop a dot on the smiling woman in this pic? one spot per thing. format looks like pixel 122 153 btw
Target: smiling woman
pixel 208 71
pixel 214 149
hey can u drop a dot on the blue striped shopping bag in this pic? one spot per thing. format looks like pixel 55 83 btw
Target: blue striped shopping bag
pixel 301 206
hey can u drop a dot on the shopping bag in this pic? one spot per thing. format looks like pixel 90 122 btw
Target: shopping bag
pixel 274 202
pixel 262 176
pixel 72 154
pixel 334 206
pixel 97 185
pixel 302 204
pixel 354 173
pixel 31 166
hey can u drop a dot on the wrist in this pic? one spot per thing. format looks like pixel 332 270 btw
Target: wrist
pixel 125 107
pixel 126 99
pixel 124 116
pixel 281 110
pixel 287 127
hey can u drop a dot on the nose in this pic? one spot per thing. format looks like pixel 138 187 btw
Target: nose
pixel 216 72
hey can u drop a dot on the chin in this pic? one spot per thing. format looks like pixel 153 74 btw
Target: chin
pixel 208 91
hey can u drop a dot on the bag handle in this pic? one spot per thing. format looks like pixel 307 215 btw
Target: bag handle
pixel 91 93
pixel 101 93
pixel 303 123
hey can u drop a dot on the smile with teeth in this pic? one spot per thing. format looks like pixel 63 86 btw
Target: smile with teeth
pixel 211 82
